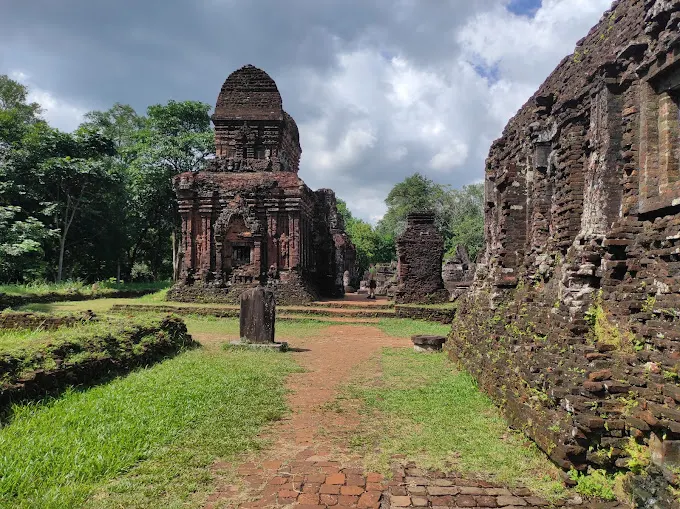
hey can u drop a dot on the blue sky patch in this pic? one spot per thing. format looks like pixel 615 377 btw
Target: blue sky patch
pixel 490 73
pixel 524 7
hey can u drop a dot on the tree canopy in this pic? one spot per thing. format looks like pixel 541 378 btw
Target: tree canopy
pixel 98 201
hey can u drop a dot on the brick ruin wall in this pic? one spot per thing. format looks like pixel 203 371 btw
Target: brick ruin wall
pixel 573 321
pixel 420 251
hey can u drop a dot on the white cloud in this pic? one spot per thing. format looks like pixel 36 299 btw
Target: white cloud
pixel 57 112
pixel 379 89
pixel 437 118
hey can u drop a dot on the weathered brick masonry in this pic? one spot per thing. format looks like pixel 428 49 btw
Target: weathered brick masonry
pixel 420 250
pixel 573 323
pixel 248 218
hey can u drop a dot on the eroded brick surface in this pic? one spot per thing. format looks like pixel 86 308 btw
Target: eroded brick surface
pixel 583 209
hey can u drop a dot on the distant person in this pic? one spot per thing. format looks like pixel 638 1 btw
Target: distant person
pixel 371 288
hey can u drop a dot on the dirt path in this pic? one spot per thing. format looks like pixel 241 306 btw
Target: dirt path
pixel 309 464
pixel 305 454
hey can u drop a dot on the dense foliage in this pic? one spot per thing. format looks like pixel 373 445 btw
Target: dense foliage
pixel 99 201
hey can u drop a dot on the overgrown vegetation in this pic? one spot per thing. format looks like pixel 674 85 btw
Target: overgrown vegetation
pixel 35 362
pixel 421 407
pixel 605 331
pixel 143 440
pixel 595 484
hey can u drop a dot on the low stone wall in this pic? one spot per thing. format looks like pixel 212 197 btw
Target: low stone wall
pixel 444 316
pixel 88 358
pixel 221 312
pixel 27 320
pixel 178 310
pixel 13 301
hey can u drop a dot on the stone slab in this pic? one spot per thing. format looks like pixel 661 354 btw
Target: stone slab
pixel 280 347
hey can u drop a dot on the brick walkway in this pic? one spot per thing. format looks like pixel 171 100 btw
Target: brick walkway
pixel 309 465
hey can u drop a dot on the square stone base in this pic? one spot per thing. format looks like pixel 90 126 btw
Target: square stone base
pixel 281 347
pixel 427 348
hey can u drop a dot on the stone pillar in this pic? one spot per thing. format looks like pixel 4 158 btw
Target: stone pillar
pixel 258 316
pixel 420 250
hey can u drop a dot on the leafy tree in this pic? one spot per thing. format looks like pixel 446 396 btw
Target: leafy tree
pixel 371 246
pixel 463 219
pixel 415 193
pixel 21 233
pixel 177 138
pixel 171 139
pixel 74 180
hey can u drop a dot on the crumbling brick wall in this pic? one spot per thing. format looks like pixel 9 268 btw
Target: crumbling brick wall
pixel 420 250
pixel 574 320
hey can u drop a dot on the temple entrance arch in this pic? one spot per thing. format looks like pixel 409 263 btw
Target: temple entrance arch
pixel 238 241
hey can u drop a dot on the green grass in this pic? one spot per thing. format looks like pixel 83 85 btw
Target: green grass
pixel 421 407
pixel 405 327
pixel 42 288
pixel 303 328
pixel 144 440
pixel 12 339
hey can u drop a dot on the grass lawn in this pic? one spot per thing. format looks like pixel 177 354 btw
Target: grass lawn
pixel 12 339
pixel 405 327
pixel 144 440
pixel 42 288
pixel 420 406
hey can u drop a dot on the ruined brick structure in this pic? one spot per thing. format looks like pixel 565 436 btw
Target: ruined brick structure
pixel 574 324
pixel 420 250
pixel 458 273
pixel 248 218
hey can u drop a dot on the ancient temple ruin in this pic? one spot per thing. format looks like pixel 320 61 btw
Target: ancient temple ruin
pixel 574 321
pixel 420 250
pixel 248 218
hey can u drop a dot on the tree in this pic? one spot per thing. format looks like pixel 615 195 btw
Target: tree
pixel 177 138
pixel 371 246
pixel 415 193
pixel 22 235
pixel 172 138
pixel 463 219
pixel 73 179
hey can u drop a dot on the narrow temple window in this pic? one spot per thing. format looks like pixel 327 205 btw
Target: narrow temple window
pixel 241 255
pixel 260 152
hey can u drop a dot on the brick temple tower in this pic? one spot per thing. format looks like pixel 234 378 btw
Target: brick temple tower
pixel 248 219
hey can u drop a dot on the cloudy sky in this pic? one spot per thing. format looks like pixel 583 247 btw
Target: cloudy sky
pixel 379 88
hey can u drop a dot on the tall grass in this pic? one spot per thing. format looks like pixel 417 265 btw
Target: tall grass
pixel 156 430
